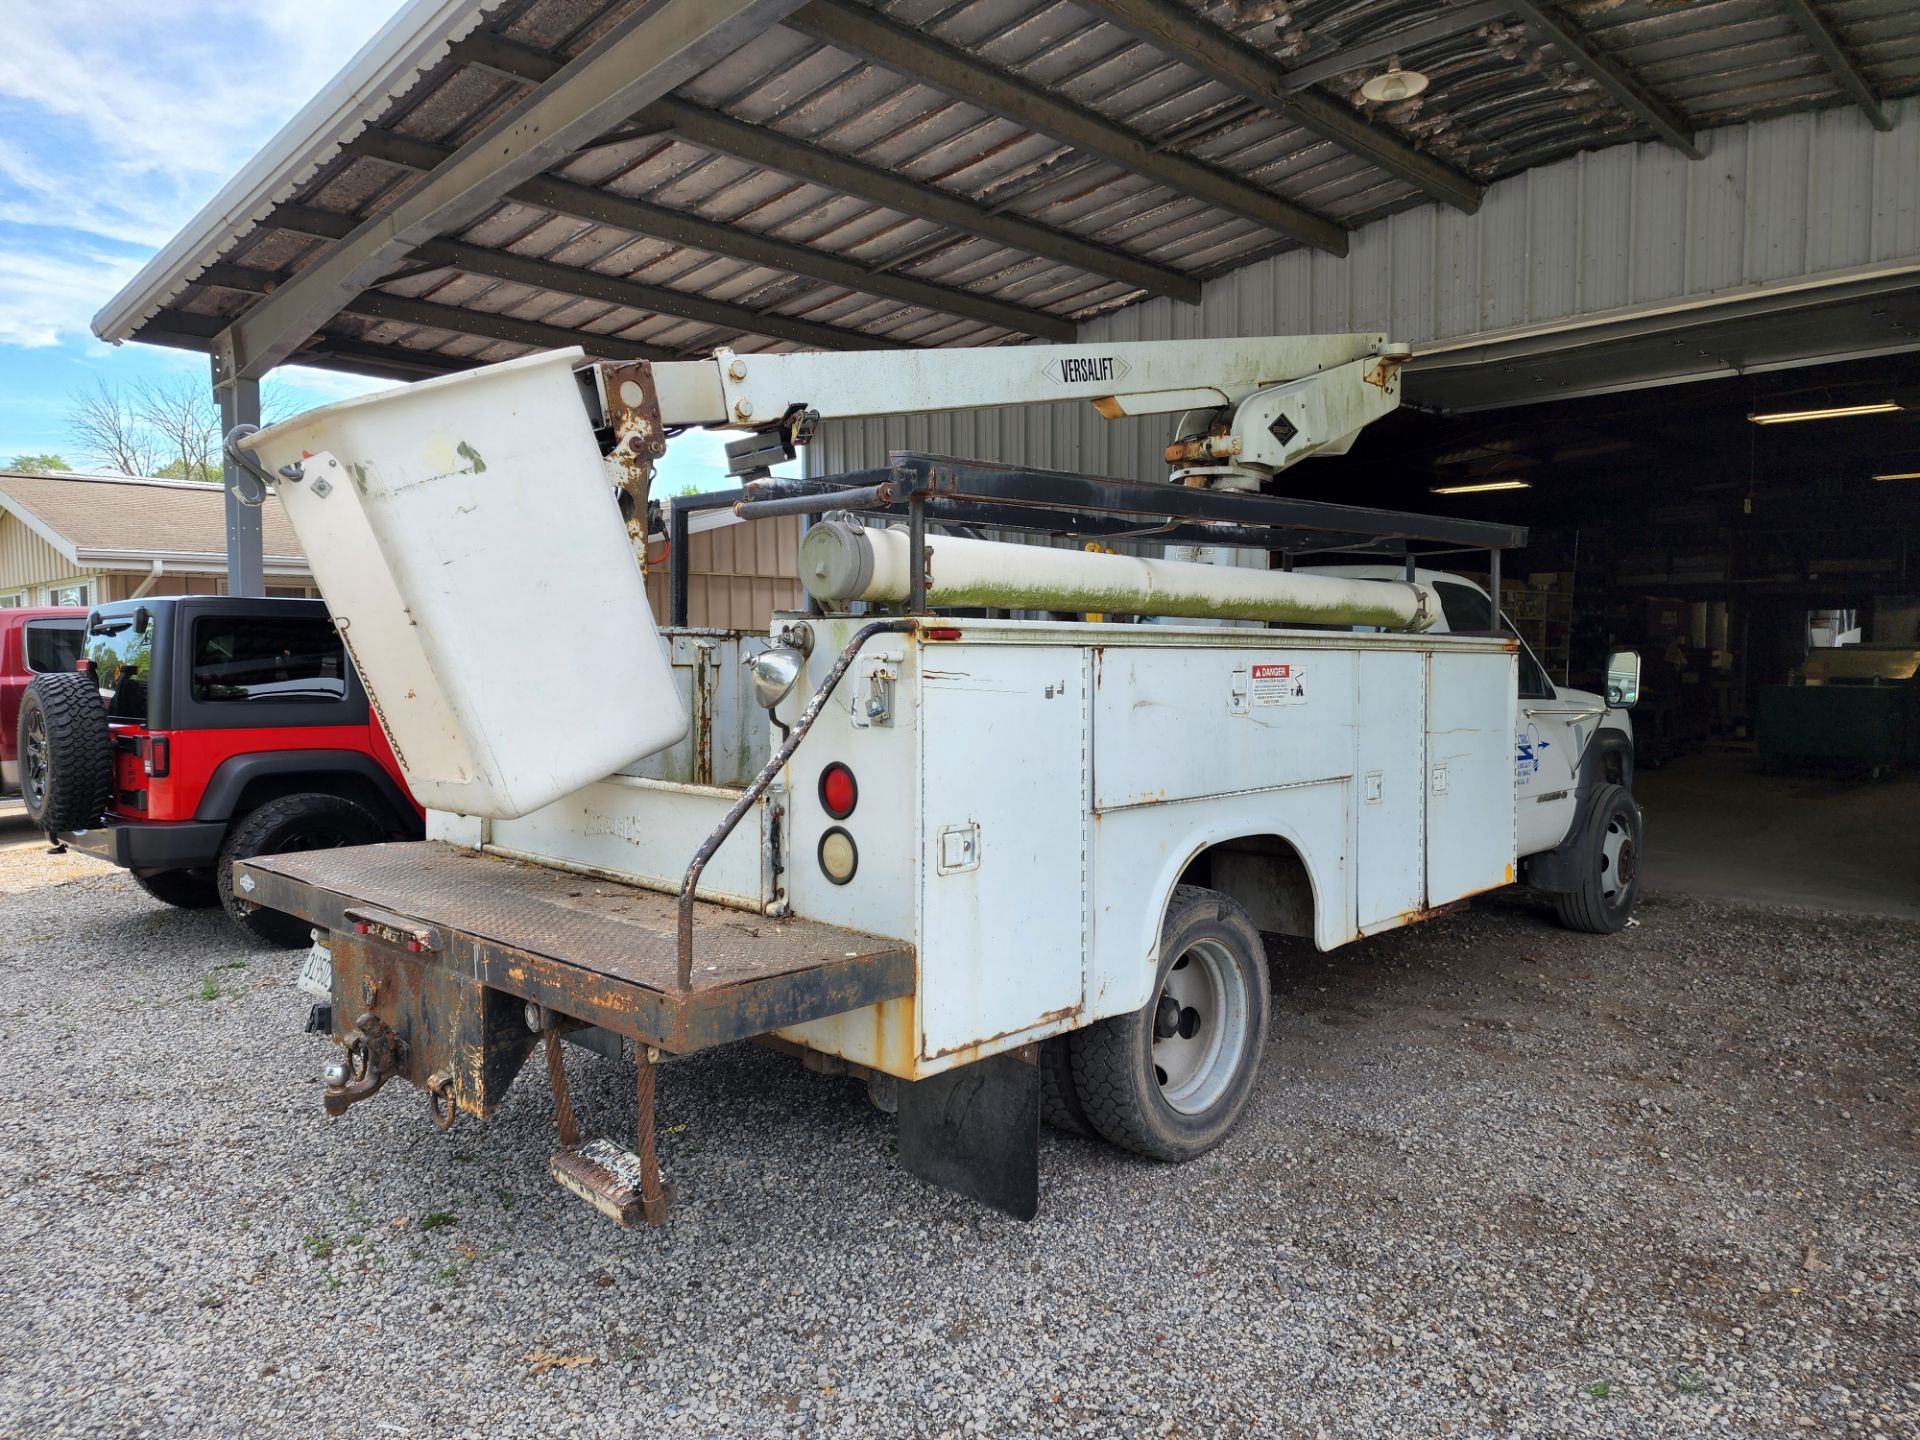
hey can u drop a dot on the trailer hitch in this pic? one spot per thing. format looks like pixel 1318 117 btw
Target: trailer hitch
pixel 374 1055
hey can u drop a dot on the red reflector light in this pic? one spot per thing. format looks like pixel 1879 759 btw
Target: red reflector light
pixel 838 792
pixel 361 927
pixel 159 757
pixel 944 632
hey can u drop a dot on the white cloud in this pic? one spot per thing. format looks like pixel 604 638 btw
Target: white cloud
pixel 121 121
pixel 46 298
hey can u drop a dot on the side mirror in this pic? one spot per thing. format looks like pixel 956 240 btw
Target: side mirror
pixel 1623 678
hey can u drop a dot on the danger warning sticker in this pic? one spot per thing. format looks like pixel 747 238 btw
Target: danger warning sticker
pixel 1279 685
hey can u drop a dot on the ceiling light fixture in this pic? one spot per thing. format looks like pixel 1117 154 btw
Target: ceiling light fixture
pixel 1899 475
pixel 1395 84
pixel 1831 412
pixel 1481 487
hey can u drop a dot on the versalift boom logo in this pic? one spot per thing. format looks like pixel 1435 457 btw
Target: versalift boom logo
pixel 1089 369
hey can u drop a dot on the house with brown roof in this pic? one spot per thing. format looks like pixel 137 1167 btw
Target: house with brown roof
pixel 69 539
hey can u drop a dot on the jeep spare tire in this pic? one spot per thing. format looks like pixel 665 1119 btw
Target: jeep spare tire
pixel 66 754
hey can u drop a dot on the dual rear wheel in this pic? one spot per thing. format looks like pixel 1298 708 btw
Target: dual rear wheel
pixel 1170 1080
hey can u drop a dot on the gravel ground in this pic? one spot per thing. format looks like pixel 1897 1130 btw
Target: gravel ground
pixel 1498 1180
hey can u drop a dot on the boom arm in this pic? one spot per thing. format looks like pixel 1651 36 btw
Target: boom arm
pixel 1249 407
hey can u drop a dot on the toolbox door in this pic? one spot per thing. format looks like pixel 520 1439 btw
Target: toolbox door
pixel 1003 864
pixel 1470 805
pixel 1390 880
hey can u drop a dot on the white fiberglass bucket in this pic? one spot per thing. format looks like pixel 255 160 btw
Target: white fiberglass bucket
pixel 465 535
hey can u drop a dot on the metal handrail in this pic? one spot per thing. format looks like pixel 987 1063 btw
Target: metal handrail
pixel 748 797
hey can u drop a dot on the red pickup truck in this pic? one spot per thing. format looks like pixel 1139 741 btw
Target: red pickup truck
pixel 32 642
pixel 200 730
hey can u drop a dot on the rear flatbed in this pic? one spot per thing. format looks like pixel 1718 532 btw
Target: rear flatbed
pixel 594 949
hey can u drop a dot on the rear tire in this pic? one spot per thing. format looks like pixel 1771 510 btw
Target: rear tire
pixel 1059 1101
pixel 1171 1080
pixel 288 826
pixel 186 889
pixel 1609 866
pixel 66 752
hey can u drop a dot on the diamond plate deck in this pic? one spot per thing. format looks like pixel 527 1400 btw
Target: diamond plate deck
pixel 593 949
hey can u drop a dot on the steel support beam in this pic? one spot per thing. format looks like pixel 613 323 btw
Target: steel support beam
pixel 457 319
pixel 868 34
pixel 759 145
pixel 1454 20
pixel 1820 34
pixel 677 227
pixel 239 402
pixel 1550 25
pixel 774 151
pixel 1170 27
pixel 655 299
pixel 642 58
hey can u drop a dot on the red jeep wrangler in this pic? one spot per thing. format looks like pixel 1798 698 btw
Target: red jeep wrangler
pixel 32 642
pixel 230 727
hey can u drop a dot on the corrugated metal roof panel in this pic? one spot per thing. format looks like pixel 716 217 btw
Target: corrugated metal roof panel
pixel 1499 102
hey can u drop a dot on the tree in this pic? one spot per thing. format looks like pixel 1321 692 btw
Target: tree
pixel 37 464
pixel 107 426
pixel 169 429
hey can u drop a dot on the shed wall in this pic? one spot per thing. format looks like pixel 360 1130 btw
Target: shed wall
pixel 26 559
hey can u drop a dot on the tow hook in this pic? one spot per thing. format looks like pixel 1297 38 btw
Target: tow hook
pixel 440 1101
pixel 374 1055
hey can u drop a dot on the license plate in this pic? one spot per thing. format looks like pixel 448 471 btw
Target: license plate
pixel 316 975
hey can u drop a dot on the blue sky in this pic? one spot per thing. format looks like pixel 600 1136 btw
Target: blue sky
pixel 117 123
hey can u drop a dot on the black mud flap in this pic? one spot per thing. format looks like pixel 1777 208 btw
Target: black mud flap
pixel 976 1131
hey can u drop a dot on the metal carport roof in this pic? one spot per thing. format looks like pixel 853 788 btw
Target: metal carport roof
pixel 654 179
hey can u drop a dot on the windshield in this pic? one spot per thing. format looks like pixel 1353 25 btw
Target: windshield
pixel 53 645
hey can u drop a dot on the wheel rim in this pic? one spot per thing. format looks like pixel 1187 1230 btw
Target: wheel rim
pixel 35 778
pixel 1617 859
pixel 1200 1027
pixel 314 837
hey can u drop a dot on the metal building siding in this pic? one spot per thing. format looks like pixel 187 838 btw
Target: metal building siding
pixel 26 559
pixel 1799 194
pixel 738 575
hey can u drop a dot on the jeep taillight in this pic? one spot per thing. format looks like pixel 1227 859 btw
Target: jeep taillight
pixel 159 760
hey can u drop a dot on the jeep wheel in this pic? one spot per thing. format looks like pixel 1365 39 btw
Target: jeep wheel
pixel 285 827
pixel 66 753
pixel 1171 1080
pixel 1609 866
pixel 188 889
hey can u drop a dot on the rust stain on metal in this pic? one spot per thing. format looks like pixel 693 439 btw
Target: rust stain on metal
pixel 1383 370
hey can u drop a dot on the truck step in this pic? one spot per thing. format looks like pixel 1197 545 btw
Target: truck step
pixel 609 1177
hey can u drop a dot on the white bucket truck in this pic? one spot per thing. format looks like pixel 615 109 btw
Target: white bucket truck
pixel 998 866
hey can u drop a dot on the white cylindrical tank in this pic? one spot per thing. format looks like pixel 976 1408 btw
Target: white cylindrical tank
pixel 465 536
pixel 841 563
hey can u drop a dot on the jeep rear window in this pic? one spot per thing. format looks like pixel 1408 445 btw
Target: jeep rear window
pixel 268 660
pixel 122 665
pixel 53 645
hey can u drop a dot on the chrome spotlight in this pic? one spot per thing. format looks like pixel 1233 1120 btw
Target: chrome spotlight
pixel 774 673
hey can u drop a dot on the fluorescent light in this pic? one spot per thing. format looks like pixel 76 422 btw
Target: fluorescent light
pixel 1481 487
pixel 1899 475
pixel 1832 412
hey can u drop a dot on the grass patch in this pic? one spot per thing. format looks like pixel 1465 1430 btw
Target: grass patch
pixel 356 1239
pixel 209 989
pixel 505 1197
pixel 1598 1390
pixel 329 1281
pixel 439 1220
pixel 1688 1382
pixel 320 1247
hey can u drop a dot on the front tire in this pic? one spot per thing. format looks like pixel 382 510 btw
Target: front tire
pixel 1609 866
pixel 186 889
pixel 66 752
pixel 1172 1079
pixel 288 826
